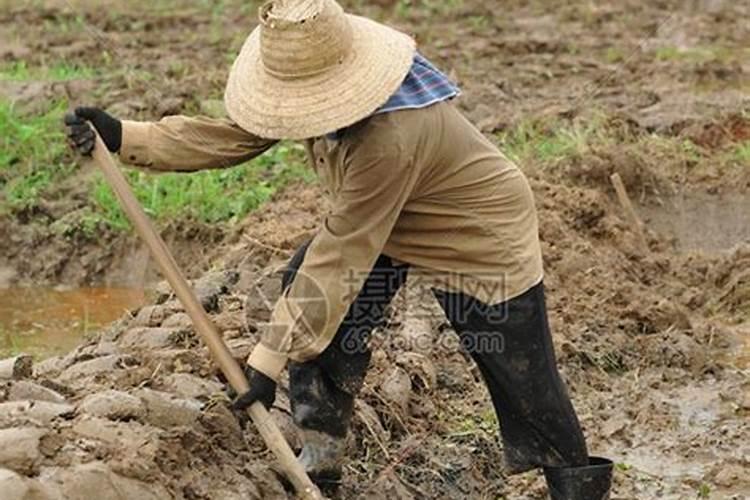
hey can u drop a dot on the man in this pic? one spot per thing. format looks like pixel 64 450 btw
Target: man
pixel 414 188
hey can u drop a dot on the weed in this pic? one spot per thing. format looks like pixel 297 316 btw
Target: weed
pixel 704 491
pixel 614 55
pixel 9 345
pixel 609 362
pixel 20 71
pixel 741 153
pixel 33 153
pixel 667 53
pixel 572 49
pixel 546 144
pixel 479 22
pixel 404 8
pixel 694 54
pixel 484 423
pixel 690 151
pixel 209 196
pixel 65 23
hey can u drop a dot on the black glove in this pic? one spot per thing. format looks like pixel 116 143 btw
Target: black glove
pixel 82 137
pixel 262 388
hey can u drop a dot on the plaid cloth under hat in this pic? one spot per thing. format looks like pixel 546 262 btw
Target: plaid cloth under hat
pixel 423 86
pixel 310 69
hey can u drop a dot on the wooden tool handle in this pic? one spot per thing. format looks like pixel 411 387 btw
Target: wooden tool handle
pixel 635 222
pixel 267 428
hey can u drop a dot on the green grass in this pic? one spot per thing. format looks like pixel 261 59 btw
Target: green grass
pixel 694 54
pixel 742 153
pixel 34 158
pixel 614 55
pixel 704 491
pixel 404 8
pixel 9 345
pixel 209 196
pixel 479 22
pixel 547 143
pixel 20 71
pixel 33 154
pixel 484 423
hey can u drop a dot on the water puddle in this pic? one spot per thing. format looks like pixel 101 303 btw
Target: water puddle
pixel 44 322
pixel 739 354
pixel 656 463
pixel 700 221
pixel 698 407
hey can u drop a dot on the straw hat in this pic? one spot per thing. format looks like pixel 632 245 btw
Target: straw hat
pixel 310 69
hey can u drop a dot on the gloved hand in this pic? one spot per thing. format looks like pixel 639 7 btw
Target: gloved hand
pixel 81 136
pixel 262 388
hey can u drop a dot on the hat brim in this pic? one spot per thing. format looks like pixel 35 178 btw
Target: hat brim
pixel 274 108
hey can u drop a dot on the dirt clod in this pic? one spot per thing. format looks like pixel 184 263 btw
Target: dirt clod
pixel 114 405
pixel 97 480
pixel 16 368
pixel 190 386
pixel 17 487
pixel 32 412
pixel 19 449
pixel 165 410
pixel 396 389
pixel 25 390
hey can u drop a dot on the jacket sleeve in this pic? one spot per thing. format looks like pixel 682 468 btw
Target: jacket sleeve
pixel 377 183
pixel 181 143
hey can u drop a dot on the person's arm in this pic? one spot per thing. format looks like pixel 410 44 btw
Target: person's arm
pixel 174 143
pixel 377 184
pixel 181 143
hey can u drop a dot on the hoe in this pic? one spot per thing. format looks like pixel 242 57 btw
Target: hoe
pixel 221 355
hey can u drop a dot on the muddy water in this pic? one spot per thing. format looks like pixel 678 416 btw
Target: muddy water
pixel 739 354
pixel 699 221
pixel 44 322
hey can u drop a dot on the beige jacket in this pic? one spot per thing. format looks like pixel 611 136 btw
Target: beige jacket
pixel 424 187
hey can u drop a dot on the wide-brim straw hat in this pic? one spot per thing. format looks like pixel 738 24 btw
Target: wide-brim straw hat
pixel 310 69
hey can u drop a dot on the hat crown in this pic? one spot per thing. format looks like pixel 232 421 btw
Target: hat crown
pixel 303 38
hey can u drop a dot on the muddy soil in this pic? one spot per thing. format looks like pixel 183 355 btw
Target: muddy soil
pixel 678 69
pixel 653 344
pixel 658 386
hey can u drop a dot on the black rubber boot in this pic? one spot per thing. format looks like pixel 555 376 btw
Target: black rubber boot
pixel 322 457
pixel 588 482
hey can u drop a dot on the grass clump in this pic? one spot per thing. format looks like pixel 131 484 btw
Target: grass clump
pixel 548 143
pixel 485 423
pixel 742 153
pixel 34 157
pixel 694 54
pixel 614 55
pixel 404 8
pixel 210 196
pixel 9 345
pixel 32 153
pixel 20 71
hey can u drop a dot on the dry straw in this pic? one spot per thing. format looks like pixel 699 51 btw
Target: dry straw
pixel 310 69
